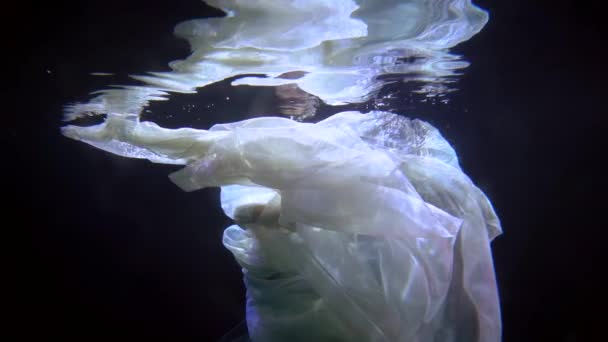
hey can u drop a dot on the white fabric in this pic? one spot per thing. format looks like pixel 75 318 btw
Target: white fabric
pixel 343 48
pixel 357 228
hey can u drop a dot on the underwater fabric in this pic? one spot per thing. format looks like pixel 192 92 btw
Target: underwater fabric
pixel 361 227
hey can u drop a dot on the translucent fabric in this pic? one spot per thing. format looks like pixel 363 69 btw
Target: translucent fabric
pixel 342 50
pixel 356 228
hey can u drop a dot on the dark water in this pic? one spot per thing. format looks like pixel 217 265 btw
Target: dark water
pixel 115 251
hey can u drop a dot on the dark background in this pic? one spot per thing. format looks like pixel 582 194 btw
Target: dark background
pixel 108 248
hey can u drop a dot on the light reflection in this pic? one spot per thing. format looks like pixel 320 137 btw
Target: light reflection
pixel 339 51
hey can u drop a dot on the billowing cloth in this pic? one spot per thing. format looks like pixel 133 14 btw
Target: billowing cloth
pixel 339 51
pixel 361 227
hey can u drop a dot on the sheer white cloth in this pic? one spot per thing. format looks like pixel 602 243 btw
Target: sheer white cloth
pixel 361 227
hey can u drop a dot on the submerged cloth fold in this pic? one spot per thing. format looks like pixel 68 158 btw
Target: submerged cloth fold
pixel 361 227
